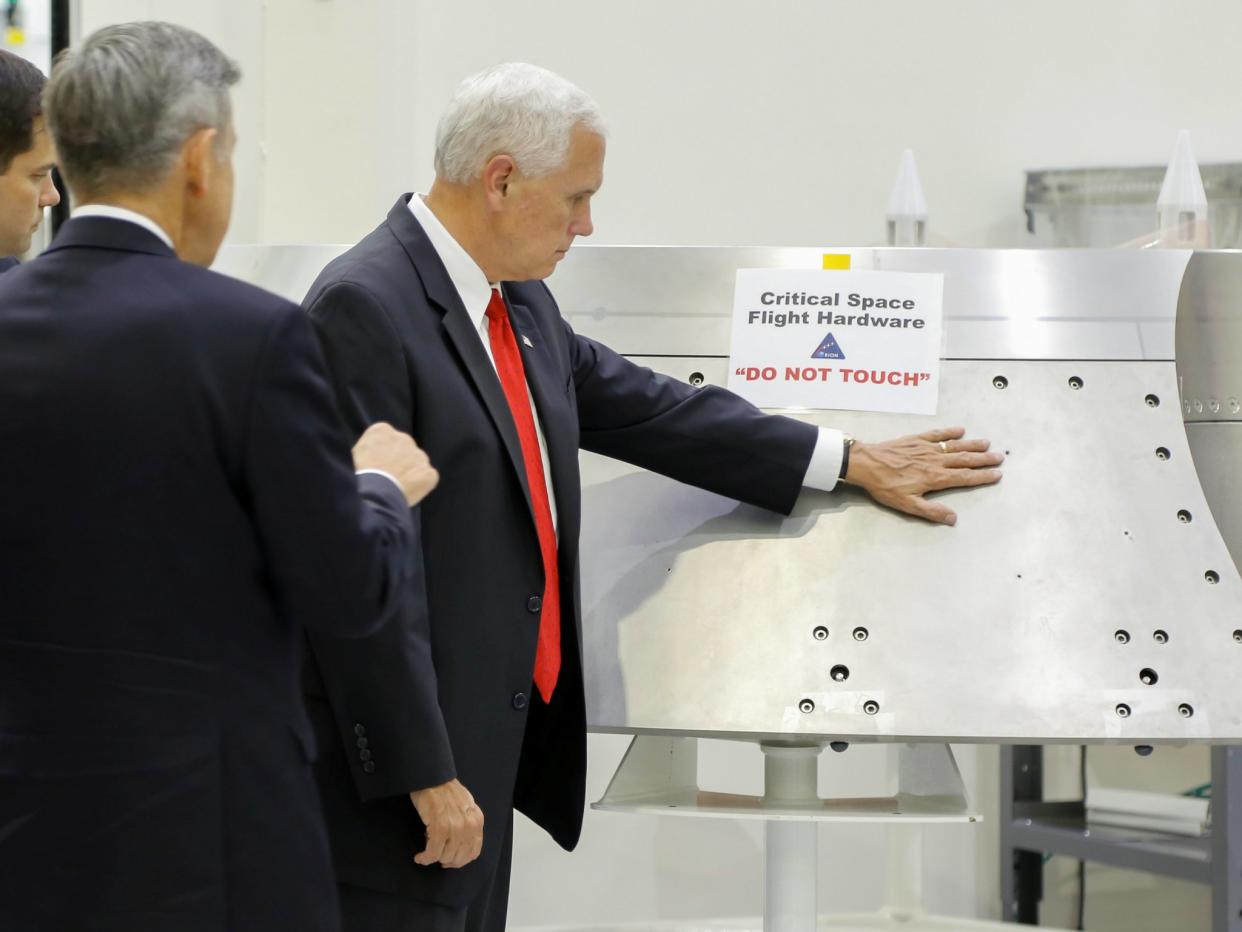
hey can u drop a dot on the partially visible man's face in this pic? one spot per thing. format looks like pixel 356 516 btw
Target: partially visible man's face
pixel 25 189
pixel 550 212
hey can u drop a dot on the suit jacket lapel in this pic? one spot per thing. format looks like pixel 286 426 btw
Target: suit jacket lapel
pixel 460 330
pixel 549 397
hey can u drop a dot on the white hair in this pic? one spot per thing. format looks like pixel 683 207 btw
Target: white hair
pixel 520 110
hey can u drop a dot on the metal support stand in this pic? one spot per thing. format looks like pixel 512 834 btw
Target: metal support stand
pixel 790 778
pixel 660 776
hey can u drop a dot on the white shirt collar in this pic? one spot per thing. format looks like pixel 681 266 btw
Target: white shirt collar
pixel 472 285
pixel 122 213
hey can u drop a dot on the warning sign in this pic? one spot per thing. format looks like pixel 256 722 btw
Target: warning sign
pixel 791 328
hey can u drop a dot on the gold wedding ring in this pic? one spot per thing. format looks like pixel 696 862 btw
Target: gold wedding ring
pixel 944 447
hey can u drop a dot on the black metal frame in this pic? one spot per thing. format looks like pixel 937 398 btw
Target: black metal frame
pixel 60 32
pixel 1031 827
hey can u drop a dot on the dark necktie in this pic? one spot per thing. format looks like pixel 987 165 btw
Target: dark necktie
pixel 513 381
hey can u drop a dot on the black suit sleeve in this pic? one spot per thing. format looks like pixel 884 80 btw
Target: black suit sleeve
pixel 707 437
pixel 386 683
pixel 337 560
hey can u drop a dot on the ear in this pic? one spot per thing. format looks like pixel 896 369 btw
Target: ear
pixel 198 160
pixel 498 174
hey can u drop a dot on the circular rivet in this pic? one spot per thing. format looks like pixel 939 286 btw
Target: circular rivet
pixel 840 673
pixel 1122 710
pixel 839 746
pixel 1162 453
pixel 1237 635
pixel 1160 636
pixel 1143 750
pixel 1121 636
pixel 1186 710
pixel 820 633
pixel 1000 382
pixel 1184 516
pixel 1075 382
pixel 697 379
pixel 861 634
pixel 806 705
pixel 1153 401
pixel 1212 577
pixel 1148 676
pixel 871 707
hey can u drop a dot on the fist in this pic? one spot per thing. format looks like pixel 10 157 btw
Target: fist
pixel 385 448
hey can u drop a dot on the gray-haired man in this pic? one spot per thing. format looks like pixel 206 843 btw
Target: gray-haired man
pixel 439 322
pixel 179 501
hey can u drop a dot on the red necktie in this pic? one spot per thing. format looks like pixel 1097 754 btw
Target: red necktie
pixel 513 381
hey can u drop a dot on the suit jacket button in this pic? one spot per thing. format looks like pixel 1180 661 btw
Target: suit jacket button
pixel 519 701
pixel 364 754
pixel 359 730
pixel 362 742
pixel 533 604
pixel 369 767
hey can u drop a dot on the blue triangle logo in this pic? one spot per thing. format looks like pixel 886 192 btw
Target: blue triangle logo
pixel 828 349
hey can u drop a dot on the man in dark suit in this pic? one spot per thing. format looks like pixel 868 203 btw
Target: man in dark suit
pixel 439 321
pixel 177 499
pixel 27 157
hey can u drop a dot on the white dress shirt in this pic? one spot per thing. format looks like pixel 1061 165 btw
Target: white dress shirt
pixel 475 292
pixel 123 213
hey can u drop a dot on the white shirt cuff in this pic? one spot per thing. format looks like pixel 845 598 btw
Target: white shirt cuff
pixel 825 467
pixel 391 478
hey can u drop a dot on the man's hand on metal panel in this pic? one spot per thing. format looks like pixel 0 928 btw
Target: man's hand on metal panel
pixel 454 825
pixel 385 449
pixel 898 473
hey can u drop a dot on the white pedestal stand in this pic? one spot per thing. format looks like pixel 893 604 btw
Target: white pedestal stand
pixel 659 776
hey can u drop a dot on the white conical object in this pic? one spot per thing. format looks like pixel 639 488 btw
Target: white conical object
pixel 907 208
pixel 1182 205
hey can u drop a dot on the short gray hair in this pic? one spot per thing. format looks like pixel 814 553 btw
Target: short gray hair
pixel 121 105
pixel 520 110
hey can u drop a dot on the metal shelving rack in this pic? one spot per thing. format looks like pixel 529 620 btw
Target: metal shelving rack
pixel 1031 827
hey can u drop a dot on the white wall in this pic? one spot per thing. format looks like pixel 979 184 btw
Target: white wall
pixel 736 122
pixel 740 122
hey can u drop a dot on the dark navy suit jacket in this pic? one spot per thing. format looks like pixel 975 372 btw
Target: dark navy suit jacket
pixel 447 692
pixel 8 262
pixel 177 500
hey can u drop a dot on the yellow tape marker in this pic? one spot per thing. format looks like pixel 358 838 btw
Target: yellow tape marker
pixel 837 262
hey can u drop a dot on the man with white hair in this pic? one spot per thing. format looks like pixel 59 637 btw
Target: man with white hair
pixel 439 322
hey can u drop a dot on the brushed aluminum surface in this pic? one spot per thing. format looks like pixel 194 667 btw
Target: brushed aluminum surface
pixel 998 303
pixel 1003 628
